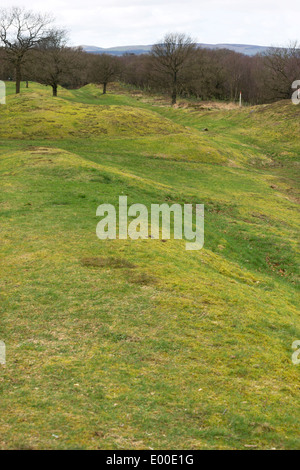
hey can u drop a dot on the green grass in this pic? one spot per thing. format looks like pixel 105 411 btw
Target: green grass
pixel 142 344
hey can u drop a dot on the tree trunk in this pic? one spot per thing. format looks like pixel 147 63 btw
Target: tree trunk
pixel 174 92
pixel 18 77
pixel 174 96
pixel 104 88
pixel 26 83
pixel 54 89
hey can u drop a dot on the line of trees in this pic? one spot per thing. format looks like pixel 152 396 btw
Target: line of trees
pixel 178 67
pixel 32 48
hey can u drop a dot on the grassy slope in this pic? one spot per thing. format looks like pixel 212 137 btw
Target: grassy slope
pixel 164 348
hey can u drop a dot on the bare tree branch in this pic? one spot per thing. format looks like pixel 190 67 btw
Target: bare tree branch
pixel 21 31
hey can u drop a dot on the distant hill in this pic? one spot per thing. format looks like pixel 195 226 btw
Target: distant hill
pixel 121 50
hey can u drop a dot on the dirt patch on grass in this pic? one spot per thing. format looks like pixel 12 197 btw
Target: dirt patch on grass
pixel 109 262
pixel 142 278
pixel 42 150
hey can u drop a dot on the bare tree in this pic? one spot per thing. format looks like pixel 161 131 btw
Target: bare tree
pixel 171 57
pixel 21 31
pixel 104 69
pixel 53 62
pixel 282 69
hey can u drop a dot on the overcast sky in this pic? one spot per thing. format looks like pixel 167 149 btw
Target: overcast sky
pixel 131 22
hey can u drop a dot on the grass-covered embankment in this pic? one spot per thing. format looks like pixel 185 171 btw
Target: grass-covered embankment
pixel 142 344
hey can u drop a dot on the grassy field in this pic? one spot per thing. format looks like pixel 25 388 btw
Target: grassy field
pixel 127 344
